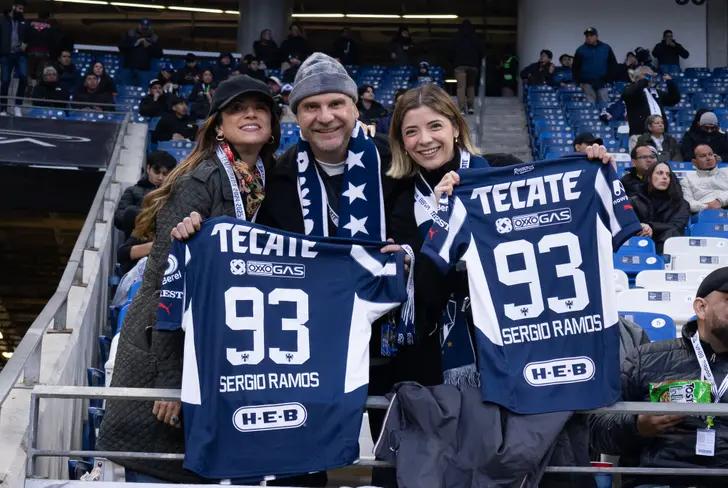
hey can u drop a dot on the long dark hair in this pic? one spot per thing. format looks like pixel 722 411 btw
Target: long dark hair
pixel 673 192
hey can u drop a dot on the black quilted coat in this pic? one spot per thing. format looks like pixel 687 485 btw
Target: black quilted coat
pixel 147 358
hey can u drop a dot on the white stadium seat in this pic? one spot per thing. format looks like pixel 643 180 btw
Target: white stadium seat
pixel 621 282
pixel 659 279
pixel 716 246
pixel 697 261
pixel 674 303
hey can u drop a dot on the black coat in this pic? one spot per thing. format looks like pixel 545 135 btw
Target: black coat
pixel 372 114
pixel 467 48
pixel 6 29
pixel 150 108
pixel 294 45
pixel 54 92
pixel 347 50
pixel 267 51
pixel 669 54
pixel 138 56
pixel 667 218
pixel 106 84
pixel 651 363
pixel 537 74
pixel 638 109
pixel 632 183
pixel 670 147
pixel 68 76
pixel 130 205
pixel 718 142
pixel 170 124
pixel 87 99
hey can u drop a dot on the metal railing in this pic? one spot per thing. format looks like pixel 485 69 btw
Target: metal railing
pixel 481 106
pixel 26 358
pixel 75 392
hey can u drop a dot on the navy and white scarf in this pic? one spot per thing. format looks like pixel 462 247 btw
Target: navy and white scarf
pixel 361 206
pixel 456 345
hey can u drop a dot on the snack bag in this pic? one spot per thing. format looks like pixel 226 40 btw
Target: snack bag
pixel 692 391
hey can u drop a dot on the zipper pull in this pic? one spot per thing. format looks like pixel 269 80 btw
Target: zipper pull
pixel 712 358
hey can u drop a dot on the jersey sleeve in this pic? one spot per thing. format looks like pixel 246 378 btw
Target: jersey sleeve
pixel 172 294
pixel 381 277
pixel 449 235
pixel 618 215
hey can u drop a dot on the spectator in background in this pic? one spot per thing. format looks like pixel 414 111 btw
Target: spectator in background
pixel 166 77
pixel 201 96
pixel 346 49
pixel 584 140
pixel 154 103
pixel 138 47
pixel 369 109
pixel 508 71
pixel 707 186
pixel 159 164
pixel 669 440
pixel 223 67
pixel 266 49
pixel 643 57
pixel 286 113
pixel 49 89
pixel 422 77
pixel 467 54
pixel 88 96
pixel 13 31
pixel 68 75
pixel 289 74
pixel 643 158
pixel 540 72
pixel 642 99
pixel 562 74
pixel 255 70
pixel 42 37
pixel 275 84
pixel 660 206
pixel 622 70
pixel 401 46
pixel 668 149
pixel 383 123
pixel 705 130
pixel 176 125
pixel 668 51
pixel 593 62
pixel 295 43
pixel 190 72
pixel 106 83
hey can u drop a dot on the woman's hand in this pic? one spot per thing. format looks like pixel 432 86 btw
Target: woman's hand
pixel 187 228
pixel 447 184
pixel 595 151
pixel 646 231
pixel 396 248
pixel 168 412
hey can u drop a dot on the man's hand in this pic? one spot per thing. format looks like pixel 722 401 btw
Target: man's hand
pixel 187 228
pixel 654 425
pixel 396 248
pixel 646 231
pixel 595 151
pixel 168 412
pixel 713 204
pixel 447 184
pixel 178 137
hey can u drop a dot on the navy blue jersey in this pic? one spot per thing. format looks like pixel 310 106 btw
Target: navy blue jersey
pixel 276 354
pixel 537 240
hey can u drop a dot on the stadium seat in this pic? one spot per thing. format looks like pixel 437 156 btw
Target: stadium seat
pixel 696 261
pixel 104 346
pixel 674 303
pixel 632 262
pixel 699 245
pixel 90 428
pixel 95 377
pixel 621 281
pixel 659 327
pixel 664 279
pixel 711 215
pixel 639 244
pixel 709 229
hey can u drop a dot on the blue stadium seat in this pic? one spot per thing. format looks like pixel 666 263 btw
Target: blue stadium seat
pixel 659 327
pixel 632 262
pixel 709 229
pixel 96 377
pixel 711 215
pixel 95 415
pixel 104 348
pixel 639 244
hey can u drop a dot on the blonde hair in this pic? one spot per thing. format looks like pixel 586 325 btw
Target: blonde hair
pixel 145 223
pixel 435 98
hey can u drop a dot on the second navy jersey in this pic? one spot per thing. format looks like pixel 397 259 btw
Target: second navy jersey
pixel 276 351
pixel 537 240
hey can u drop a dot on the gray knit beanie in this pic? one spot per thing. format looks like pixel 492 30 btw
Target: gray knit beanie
pixel 708 118
pixel 320 74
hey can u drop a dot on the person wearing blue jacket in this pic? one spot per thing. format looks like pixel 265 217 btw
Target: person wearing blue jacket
pixel 593 61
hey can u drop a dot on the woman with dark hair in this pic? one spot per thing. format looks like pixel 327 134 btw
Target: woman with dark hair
pixel 224 175
pixel 201 95
pixel 295 43
pixel 369 109
pixel 660 207
pixel 266 49
pixel 106 83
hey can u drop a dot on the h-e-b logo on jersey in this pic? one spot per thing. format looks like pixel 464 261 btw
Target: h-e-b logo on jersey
pixel 270 417
pixel 559 371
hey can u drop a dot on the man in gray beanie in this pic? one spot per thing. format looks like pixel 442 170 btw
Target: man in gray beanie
pixel 705 130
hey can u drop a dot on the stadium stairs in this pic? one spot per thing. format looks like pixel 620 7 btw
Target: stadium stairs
pixel 504 128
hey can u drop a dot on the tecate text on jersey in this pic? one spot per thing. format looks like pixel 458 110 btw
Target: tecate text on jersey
pixel 241 238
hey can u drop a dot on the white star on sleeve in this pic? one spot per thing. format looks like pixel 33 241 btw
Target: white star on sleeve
pixel 354 159
pixel 355 192
pixel 356 225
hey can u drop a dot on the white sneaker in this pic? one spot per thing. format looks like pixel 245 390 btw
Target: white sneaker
pixel 17 111
pixel 3 114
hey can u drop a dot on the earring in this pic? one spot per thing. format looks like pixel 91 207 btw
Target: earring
pixel 272 140
pixel 456 140
pixel 219 137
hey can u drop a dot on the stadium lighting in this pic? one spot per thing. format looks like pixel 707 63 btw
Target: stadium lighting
pixel 451 80
pixel 137 5
pixel 232 12
pixel 318 16
pixel 197 9
pixel 91 2
pixel 419 16
pixel 373 16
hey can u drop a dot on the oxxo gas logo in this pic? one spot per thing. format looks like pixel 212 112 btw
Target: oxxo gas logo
pixel 279 270
pixel 533 220
pixel 559 371
pixel 270 417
